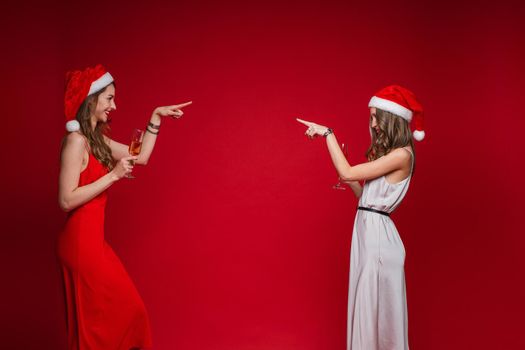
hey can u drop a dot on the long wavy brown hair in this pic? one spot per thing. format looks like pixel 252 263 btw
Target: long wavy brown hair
pixel 99 148
pixel 394 132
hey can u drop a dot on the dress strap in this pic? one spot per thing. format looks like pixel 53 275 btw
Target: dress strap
pixel 86 144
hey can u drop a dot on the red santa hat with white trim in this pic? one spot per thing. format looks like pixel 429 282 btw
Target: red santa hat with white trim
pixel 79 85
pixel 403 103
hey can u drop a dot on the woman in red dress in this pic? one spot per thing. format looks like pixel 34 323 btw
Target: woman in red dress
pixel 104 309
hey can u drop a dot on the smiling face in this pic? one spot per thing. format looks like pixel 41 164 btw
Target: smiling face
pixel 105 104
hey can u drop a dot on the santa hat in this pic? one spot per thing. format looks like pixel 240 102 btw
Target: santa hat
pixel 79 85
pixel 403 103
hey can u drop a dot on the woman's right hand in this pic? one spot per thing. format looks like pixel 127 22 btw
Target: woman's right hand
pixel 313 128
pixel 124 167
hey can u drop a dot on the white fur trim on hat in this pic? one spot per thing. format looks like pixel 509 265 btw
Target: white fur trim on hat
pixel 72 125
pixel 419 135
pixel 100 83
pixel 391 107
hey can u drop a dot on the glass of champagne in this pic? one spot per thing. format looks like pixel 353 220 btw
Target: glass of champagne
pixel 339 185
pixel 135 146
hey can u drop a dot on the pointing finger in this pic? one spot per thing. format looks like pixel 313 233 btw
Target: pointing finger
pixel 183 104
pixel 303 122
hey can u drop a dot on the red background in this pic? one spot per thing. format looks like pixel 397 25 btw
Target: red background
pixel 232 233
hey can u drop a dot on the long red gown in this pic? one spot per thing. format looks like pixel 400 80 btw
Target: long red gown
pixel 104 309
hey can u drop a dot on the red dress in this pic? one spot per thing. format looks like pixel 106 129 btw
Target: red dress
pixel 104 310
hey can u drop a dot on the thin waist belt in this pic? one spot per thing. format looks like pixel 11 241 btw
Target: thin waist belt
pixel 374 211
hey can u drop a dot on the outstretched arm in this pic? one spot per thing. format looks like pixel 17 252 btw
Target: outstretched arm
pixel 393 161
pixel 119 150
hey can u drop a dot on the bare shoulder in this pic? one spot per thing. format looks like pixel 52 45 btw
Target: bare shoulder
pixel 401 156
pixel 401 153
pixel 74 138
pixel 75 142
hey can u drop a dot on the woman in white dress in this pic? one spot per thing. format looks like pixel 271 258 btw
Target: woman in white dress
pixel 377 307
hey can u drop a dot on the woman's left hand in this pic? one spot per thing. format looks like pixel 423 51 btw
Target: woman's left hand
pixel 313 129
pixel 174 111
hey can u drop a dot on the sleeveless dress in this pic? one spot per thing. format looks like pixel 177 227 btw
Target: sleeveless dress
pixel 103 309
pixel 377 307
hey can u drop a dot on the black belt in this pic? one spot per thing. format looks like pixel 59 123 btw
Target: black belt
pixel 374 211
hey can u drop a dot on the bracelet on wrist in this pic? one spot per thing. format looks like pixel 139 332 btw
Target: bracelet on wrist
pixel 154 126
pixel 151 131
pixel 328 132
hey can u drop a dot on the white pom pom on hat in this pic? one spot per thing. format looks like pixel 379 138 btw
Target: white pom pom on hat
pixel 401 102
pixel 79 85
pixel 419 135
pixel 72 125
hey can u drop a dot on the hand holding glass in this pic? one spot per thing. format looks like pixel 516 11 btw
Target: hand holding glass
pixel 135 146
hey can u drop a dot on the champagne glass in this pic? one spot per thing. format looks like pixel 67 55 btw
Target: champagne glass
pixel 339 185
pixel 135 146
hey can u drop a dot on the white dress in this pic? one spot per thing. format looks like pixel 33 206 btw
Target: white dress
pixel 377 307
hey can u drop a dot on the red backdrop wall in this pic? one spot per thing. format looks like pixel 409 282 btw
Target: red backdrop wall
pixel 232 233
